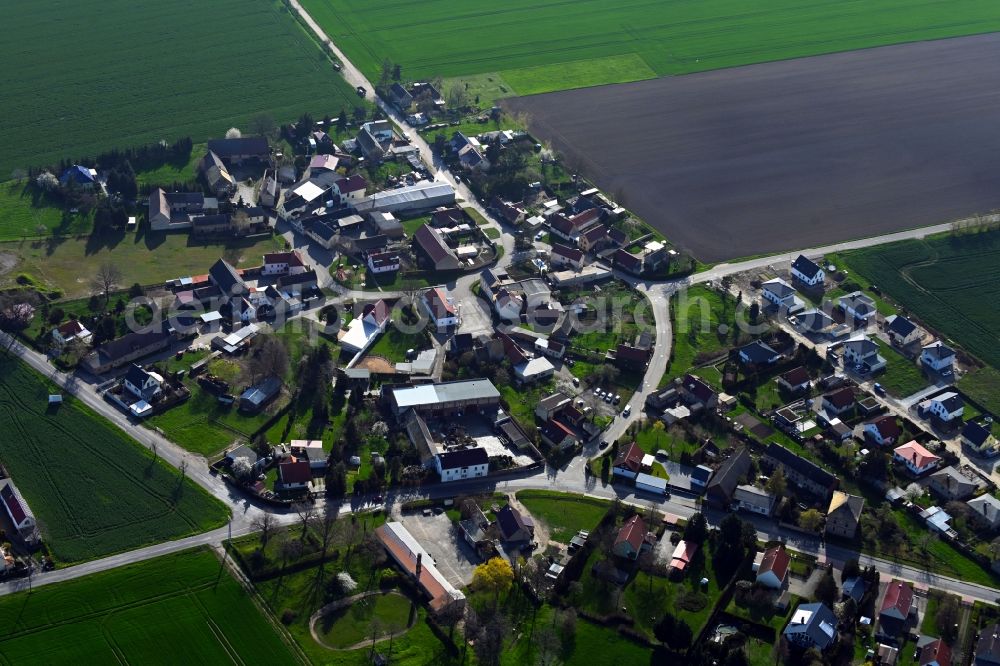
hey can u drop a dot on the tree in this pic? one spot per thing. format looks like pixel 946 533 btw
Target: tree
pixel 397 72
pixel 754 312
pixel 851 570
pixel 107 278
pixel 456 97
pixel 811 520
pixel 547 646
pixel 495 575
pixel 265 524
pixel 306 513
pixel 342 120
pixel 264 125
pixel 826 588
pixel 489 641
pixel 696 530
pixel 269 358
pixel 946 618
pixel 776 485
pixel 242 468
pixel 47 182
pixel 233 133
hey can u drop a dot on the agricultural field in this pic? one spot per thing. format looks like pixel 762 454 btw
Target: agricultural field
pixel 787 176
pixel 94 490
pixel 69 263
pixel 179 608
pixel 125 85
pixel 950 282
pixel 539 46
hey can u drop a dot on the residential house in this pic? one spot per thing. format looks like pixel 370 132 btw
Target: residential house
pixel 863 352
pixel 950 484
pixel 774 568
pixel 858 307
pixel 350 190
pixel 758 354
pixel 380 129
pixel 934 653
pixel 592 238
pixel 632 538
pixel 627 357
pixel 143 385
pixel 562 255
pixel 755 500
pixel 558 435
pixel 807 271
pixel 227 279
pixel 363 330
pixel 18 511
pixel 440 308
pixel 812 626
pixel 383 262
pixel 312 451
pixel 256 397
pixel 795 381
pixel 297 283
pixel 626 261
pixel 514 526
pixel 628 463
pixel 551 405
pixel 70 331
pixel 988 646
pixel 977 437
pixel 170 211
pixel 219 180
pixel 128 348
pixel 270 191
pixel 839 402
pixel 854 588
pixel 508 212
pixel 430 243
pixel 803 473
pixel 985 511
pixel 721 488
pixel 844 515
pixel 240 150
pixel 915 457
pixel 697 394
pixel 902 331
pixel 371 148
pixel 937 356
pixel 814 322
pixel 683 553
pixel 283 263
pixel 462 464
pixel 293 475
pixel 400 97
pixel 79 176
pixel 948 406
pixel 896 607
pixel 883 431
pixel 779 293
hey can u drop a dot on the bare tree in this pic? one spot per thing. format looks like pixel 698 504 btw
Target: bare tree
pixel 323 527
pixel 107 278
pixel 489 642
pixel 265 524
pixel 154 447
pixel 306 513
pixel 547 646
pixel 269 358
pixel 18 174
pixel 184 468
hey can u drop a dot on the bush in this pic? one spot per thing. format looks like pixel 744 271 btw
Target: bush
pixel 691 600
pixel 288 616
pixel 56 315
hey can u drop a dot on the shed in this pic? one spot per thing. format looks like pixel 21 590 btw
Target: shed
pixel 651 484
pixel 55 399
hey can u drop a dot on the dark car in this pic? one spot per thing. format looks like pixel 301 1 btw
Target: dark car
pixel 361 91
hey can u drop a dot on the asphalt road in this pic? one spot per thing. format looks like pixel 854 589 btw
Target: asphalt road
pixel 775 156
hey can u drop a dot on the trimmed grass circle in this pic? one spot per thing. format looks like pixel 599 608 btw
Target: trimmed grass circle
pixel 346 627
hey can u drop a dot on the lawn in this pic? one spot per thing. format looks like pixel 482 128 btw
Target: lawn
pixel 902 377
pixel 537 46
pixel 948 282
pixel 175 609
pixel 22 215
pixel 564 514
pixel 983 386
pixel 185 171
pixel 136 86
pixel 651 439
pixel 95 490
pixel 696 315
pixel 394 343
pixel 68 263
pixel 354 624
pixel 522 400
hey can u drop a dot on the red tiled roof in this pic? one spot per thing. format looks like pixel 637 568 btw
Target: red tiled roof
pixel 698 388
pixel 796 376
pixel 438 300
pixel 379 309
pixel 291 258
pixel 915 453
pixel 898 599
pixel 402 555
pixel 295 472
pixel 630 457
pixel 776 560
pixel 935 652
pixel 840 398
pixel 17 512
pixel 351 184
pixel 70 328
pixel 682 555
pixel 887 426
pixel 568 252
pixel 633 531
pixel 588 216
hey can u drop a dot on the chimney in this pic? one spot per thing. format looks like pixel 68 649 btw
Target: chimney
pixel 420 557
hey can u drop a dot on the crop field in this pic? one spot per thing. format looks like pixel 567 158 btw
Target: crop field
pixel 544 45
pixel 93 490
pixel 951 283
pixel 175 609
pixel 785 155
pixel 146 71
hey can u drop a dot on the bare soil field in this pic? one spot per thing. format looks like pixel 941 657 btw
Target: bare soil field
pixel 777 156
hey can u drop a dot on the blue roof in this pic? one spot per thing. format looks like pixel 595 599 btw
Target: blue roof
pixel 79 174
pixel 854 588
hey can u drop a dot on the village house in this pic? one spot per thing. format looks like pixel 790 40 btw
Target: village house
pixel 628 262
pixel 780 294
pixel 902 331
pixel 558 435
pixel 934 652
pixel 514 526
pixel 241 149
pixel 987 649
pixel 269 191
pixel 807 271
pixel 293 475
pixel 362 331
pixel 938 356
pixel 864 353
pixel 549 406
pixel 70 331
pixel 562 255
pixel 947 407
pixel 720 489
pixel 753 499
pixel 170 211
pixel 143 385
pixel 439 306
pixel 628 463
pixel 697 394
pixel 433 247
pixel 812 626
pixel 128 348
pixel 418 565
pixel 298 283
pixel 950 484
pixel 18 511
pixel 985 512
pixel 838 402
pixel 462 464
pixel 79 176
pixel 773 568
pixel 896 608
pixel 803 473
pixel 915 457
pixel 843 516
pixel 682 556
pixel 256 397
pixel 883 431
pixel 592 238
pixel 283 263
pixel 978 437
pixel 383 262
pixel 858 308
pixel 216 175
pixel 633 539
pixel 758 354
pixel 795 381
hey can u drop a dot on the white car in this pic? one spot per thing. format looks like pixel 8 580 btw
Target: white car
pixel 627 411
pixel 540 235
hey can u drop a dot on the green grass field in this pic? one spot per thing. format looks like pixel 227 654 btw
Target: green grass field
pixel 564 514
pixel 902 377
pixel 983 386
pixel 69 263
pixel 94 490
pixel 152 71
pixel 174 609
pixel 384 613
pixel 533 46
pixel 23 216
pixel 951 283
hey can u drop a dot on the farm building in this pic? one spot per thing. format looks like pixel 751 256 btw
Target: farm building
pixel 18 511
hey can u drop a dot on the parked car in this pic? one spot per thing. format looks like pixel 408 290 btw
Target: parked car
pixel 540 235
pixel 361 91
pixel 627 411
pixel 576 381
pixel 617 399
pixel 879 388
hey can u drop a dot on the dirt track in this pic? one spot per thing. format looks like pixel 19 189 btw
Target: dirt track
pixel 778 156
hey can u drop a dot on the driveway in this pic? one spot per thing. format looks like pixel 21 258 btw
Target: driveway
pixel 454 558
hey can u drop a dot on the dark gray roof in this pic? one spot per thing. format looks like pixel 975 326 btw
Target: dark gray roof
pixel 226 278
pixel 901 326
pixel 127 344
pixel 951 401
pixel 806 468
pixel 820 629
pixel 298 278
pixel 988 646
pixel 729 474
pixel 463 458
pixel 975 433
pixel 262 392
pixel 510 521
pixel 758 352
pixel 210 220
pixel 249 145
pixel 806 266
pixel 136 375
